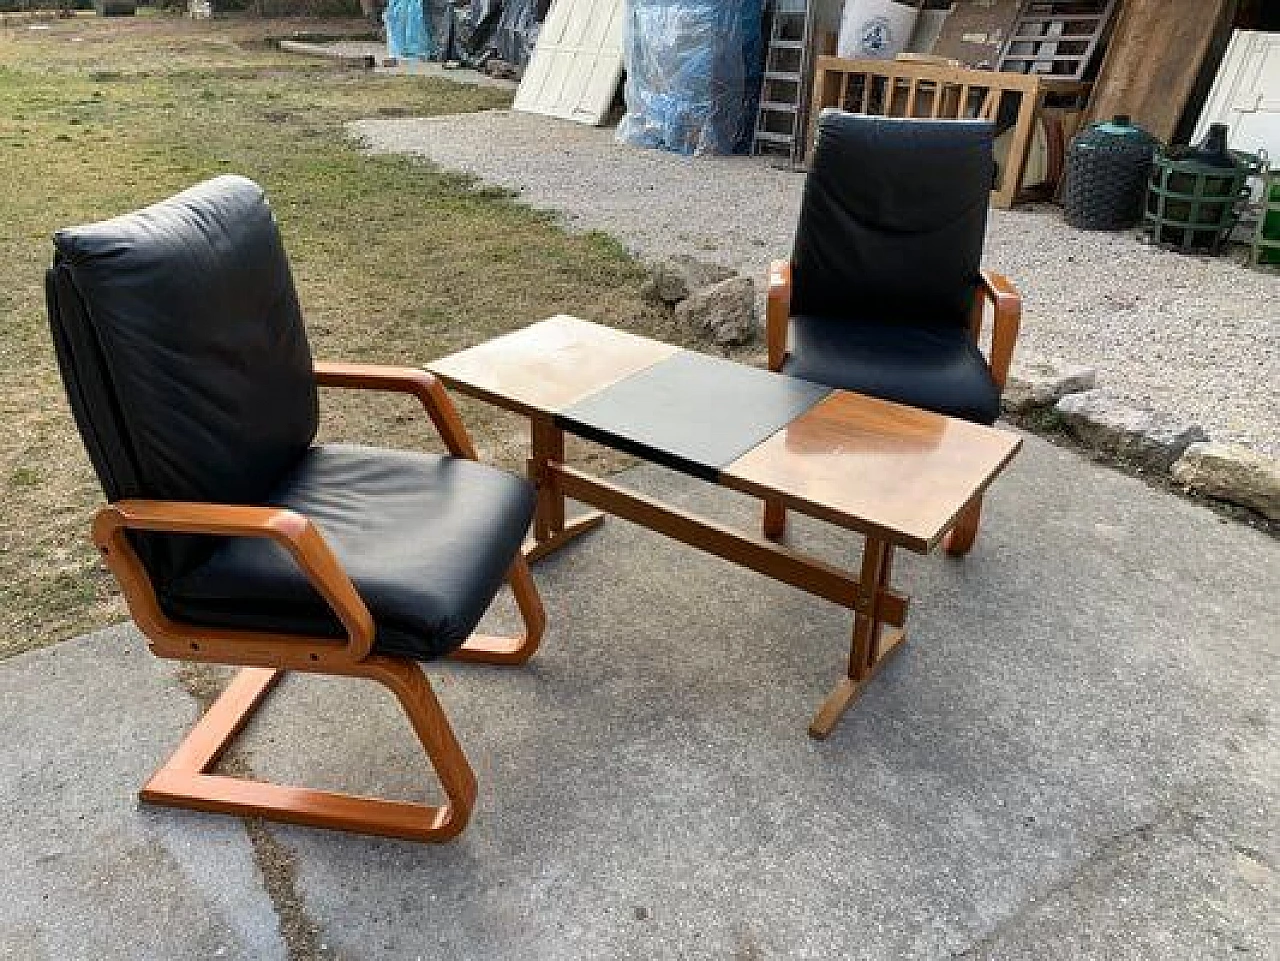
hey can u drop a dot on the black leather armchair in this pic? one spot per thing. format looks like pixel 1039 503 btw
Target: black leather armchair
pixel 884 294
pixel 237 539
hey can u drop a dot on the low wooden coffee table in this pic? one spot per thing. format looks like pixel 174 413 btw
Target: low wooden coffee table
pixel 898 475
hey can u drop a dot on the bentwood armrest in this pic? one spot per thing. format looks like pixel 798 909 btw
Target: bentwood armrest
pixel 288 528
pixel 404 380
pixel 1006 305
pixel 778 312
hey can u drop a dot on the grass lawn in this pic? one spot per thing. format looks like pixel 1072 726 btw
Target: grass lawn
pixel 394 261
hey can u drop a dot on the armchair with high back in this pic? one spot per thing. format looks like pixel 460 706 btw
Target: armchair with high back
pixel 884 294
pixel 235 537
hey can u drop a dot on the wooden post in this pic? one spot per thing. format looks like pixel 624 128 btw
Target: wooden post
pixel 868 652
pixel 548 448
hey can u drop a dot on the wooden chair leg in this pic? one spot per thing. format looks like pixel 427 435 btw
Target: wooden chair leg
pixel 184 780
pixel 775 519
pixel 960 540
pixel 487 649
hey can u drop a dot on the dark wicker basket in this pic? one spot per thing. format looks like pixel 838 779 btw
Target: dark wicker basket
pixel 1108 170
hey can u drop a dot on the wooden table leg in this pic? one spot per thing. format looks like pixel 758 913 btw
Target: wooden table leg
pixel 960 540
pixel 869 650
pixel 550 530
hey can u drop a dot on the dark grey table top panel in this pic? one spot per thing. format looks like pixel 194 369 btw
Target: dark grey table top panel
pixel 691 412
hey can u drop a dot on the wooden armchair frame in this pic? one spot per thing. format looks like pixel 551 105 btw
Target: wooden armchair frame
pixel 185 779
pixel 1006 319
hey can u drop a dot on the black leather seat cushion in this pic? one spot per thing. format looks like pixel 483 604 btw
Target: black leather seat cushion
pixel 936 368
pixel 427 541
pixel 887 262
pixel 182 347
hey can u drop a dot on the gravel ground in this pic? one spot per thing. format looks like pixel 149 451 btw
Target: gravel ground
pixel 1196 336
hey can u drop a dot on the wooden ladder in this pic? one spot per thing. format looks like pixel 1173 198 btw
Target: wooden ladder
pixel 780 118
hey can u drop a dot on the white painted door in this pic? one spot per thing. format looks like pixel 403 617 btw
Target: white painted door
pixel 577 62
pixel 1246 94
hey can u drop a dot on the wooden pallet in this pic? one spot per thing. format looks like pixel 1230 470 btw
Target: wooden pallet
pixel 1058 38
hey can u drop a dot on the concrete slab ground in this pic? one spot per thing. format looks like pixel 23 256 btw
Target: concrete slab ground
pixel 1074 758
pixel 84 871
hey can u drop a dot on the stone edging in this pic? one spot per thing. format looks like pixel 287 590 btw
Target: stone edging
pixel 1152 442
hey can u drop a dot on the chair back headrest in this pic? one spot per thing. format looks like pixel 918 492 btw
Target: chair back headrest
pixel 182 347
pixel 893 219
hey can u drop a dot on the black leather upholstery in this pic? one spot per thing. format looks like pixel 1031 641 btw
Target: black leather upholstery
pixel 426 540
pixel 691 412
pixel 936 368
pixel 887 262
pixel 184 355
pixel 892 220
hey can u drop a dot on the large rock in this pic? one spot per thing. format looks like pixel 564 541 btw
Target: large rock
pixel 1149 439
pixel 724 313
pixel 1232 473
pixel 675 278
pixel 1042 381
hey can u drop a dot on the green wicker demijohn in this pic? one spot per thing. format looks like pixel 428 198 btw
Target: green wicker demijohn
pixel 1196 193
pixel 1108 170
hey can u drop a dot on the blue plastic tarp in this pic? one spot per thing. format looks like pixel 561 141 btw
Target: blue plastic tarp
pixel 408 34
pixel 693 74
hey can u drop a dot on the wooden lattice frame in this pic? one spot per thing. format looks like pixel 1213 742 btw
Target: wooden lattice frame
pixel 908 88
pixel 1057 38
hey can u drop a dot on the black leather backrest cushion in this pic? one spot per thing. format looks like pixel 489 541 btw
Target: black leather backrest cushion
pixel 182 348
pixel 893 218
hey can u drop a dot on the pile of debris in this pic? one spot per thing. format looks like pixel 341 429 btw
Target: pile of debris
pixel 494 36
pixel 710 303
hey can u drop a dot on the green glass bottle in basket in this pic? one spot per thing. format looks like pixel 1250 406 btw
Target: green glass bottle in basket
pixel 1266 243
pixel 1197 192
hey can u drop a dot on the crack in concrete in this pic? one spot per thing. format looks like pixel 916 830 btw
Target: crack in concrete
pixel 275 861
pixel 279 867
pixel 1175 819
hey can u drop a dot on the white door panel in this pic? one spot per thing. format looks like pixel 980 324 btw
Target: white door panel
pixel 576 63
pixel 1246 94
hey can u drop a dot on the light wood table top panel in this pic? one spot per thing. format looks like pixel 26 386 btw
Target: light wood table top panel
pixel 545 367
pixel 890 471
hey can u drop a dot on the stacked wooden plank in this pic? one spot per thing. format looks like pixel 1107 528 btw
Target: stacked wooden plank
pixel 1154 60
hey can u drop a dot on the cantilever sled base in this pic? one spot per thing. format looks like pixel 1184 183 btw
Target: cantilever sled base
pixel 185 781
